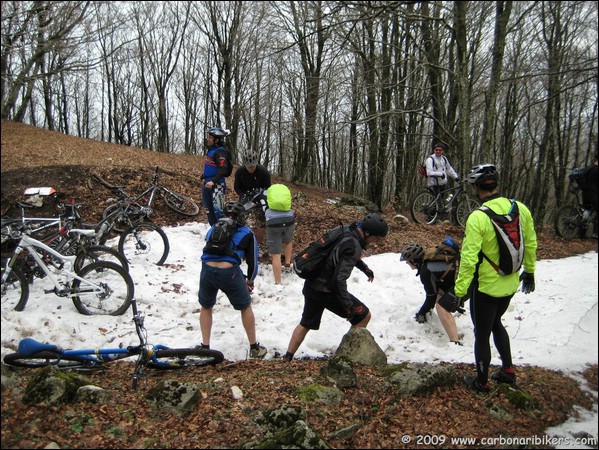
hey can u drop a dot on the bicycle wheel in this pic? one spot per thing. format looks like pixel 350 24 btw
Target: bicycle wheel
pixel 43 359
pixel 423 208
pixel 15 290
pixel 176 358
pixel 567 222
pixel 88 255
pixel 144 243
pixel 118 289
pixel 180 204
pixel 465 205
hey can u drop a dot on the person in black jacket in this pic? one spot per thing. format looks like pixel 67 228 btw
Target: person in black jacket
pixel 329 289
pixel 589 193
pixel 251 180
pixel 437 277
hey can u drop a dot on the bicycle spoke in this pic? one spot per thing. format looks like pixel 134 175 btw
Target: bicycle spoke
pixel 424 208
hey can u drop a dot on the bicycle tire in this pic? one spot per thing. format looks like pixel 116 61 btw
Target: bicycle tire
pixel 465 205
pixel 423 208
pixel 43 359
pixel 144 243
pixel 88 255
pixel 15 291
pixel 177 358
pixel 567 222
pixel 119 290
pixel 180 204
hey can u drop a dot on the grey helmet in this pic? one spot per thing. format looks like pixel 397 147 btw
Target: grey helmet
pixel 374 225
pixel 235 211
pixel 413 253
pixel 250 158
pixel 483 174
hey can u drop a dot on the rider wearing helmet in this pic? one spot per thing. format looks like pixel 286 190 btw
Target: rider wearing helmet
pixel 251 180
pixel 215 171
pixel 438 169
pixel 491 292
pixel 223 272
pixel 329 289
pixel 437 278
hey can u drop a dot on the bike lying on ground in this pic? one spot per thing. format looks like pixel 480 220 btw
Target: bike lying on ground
pixel 572 220
pixel 101 287
pixel 176 202
pixel 32 353
pixel 427 207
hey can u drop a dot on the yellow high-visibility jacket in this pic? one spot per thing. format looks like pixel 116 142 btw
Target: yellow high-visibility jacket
pixel 480 235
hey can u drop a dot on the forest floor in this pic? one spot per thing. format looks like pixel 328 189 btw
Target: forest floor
pixel 33 156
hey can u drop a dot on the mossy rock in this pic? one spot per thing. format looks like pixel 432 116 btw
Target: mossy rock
pixel 517 397
pixel 53 386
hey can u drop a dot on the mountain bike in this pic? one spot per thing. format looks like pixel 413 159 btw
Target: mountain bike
pixel 101 287
pixel 572 220
pixel 176 202
pixel 427 207
pixel 60 234
pixel 32 353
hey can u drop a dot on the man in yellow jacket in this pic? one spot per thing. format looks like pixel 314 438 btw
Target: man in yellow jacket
pixel 490 293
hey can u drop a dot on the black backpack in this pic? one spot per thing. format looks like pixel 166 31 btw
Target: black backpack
pixel 221 239
pixel 229 162
pixel 508 230
pixel 309 262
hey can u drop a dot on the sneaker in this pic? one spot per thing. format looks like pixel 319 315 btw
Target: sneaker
pixel 257 352
pixel 472 383
pixel 501 376
pixel 287 268
pixel 288 356
pixel 202 346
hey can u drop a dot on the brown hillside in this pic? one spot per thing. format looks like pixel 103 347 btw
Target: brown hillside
pixel 377 416
pixel 34 156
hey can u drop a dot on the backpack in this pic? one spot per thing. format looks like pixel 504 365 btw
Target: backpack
pixel 278 197
pixel 578 176
pixel 508 230
pixel 221 238
pixel 447 251
pixel 229 162
pixel 308 263
pixel 421 169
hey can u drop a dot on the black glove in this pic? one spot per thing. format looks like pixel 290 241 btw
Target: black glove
pixel 369 273
pixel 528 282
pixel 451 302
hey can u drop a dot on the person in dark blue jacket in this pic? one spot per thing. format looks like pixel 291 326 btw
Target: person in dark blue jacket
pixel 215 172
pixel 329 289
pixel 223 272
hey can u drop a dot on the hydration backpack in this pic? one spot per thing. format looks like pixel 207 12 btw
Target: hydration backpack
pixel 448 252
pixel 220 241
pixel 229 162
pixel 421 169
pixel 309 262
pixel 508 230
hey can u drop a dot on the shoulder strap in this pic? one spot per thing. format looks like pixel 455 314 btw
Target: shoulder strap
pixel 501 217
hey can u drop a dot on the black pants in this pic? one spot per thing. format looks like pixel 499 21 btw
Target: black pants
pixel 486 313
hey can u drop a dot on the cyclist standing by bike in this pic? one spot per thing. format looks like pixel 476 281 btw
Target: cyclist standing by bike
pixel 589 193
pixel 215 172
pixel 438 168
pixel 251 179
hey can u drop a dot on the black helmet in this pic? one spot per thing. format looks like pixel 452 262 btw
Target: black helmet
pixel 412 253
pixel 236 211
pixel 250 158
pixel 483 175
pixel 219 132
pixel 375 225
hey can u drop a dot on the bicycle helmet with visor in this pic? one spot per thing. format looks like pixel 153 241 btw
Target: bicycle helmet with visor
pixel 374 225
pixel 218 132
pixel 483 175
pixel 412 253
pixel 235 211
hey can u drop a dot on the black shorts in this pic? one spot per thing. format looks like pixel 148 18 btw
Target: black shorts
pixel 316 302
